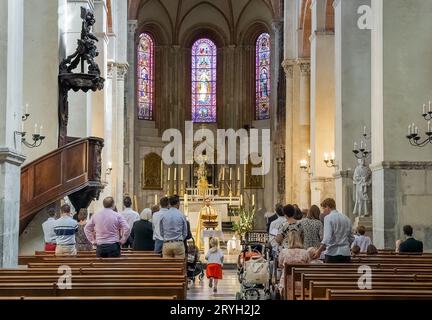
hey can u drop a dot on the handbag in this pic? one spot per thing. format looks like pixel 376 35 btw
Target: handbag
pixel 256 271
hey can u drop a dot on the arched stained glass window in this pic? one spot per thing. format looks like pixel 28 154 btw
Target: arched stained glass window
pixel 262 77
pixel 145 77
pixel 204 81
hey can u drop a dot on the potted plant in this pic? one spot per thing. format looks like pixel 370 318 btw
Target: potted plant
pixel 245 223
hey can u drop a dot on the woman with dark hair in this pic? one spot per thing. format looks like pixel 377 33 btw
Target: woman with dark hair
pixel 291 224
pixel 312 228
pixel 81 241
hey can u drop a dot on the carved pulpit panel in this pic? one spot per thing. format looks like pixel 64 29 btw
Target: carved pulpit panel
pixel 152 172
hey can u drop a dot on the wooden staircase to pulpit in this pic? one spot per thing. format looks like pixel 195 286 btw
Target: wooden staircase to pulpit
pixel 73 170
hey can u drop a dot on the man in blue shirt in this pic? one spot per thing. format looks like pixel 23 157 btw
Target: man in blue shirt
pixel 173 230
pixel 65 228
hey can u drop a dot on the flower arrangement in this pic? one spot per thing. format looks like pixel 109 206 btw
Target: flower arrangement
pixel 245 223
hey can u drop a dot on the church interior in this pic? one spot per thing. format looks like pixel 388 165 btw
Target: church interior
pixel 188 100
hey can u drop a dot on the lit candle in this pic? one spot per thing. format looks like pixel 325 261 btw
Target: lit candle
pixel 110 165
pixel 169 174
pixel 253 200
pixel 424 108
pixel 238 173
pixel 181 174
pixel 309 152
pixel 175 174
pixel 156 199
pixel 230 176
pixel 40 130
pixel 303 163
pixel 326 156
pixel 35 130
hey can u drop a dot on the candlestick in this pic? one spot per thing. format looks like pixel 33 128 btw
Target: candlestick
pixel 169 174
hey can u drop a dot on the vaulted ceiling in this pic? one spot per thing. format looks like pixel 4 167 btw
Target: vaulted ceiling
pixel 231 16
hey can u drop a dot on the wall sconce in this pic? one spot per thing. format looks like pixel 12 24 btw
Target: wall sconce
pixel 330 161
pixel 109 169
pixel 305 164
pixel 37 137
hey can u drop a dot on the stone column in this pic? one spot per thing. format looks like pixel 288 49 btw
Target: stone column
pixel 322 103
pixel 288 66
pixel 120 124
pixel 303 132
pixel 109 118
pixel 11 101
pixel 130 110
pixel 353 94
pixel 402 174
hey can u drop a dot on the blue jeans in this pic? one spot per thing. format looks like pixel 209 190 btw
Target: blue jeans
pixel 158 246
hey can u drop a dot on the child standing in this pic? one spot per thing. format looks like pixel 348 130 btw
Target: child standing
pixel 214 259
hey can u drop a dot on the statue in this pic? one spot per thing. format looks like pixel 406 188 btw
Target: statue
pixel 207 219
pixel 362 181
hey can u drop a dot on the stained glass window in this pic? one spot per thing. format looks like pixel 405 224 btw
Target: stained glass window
pixel 262 77
pixel 145 77
pixel 204 81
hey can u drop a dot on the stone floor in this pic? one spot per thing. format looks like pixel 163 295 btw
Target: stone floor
pixel 227 288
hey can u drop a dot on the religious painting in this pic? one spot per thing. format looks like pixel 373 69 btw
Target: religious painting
pixel 152 172
pixel 145 77
pixel 252 181
pixel 204 58
pixel 262 78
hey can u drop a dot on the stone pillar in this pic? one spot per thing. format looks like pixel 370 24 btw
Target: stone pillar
pixel 120 125
pixel 289 72
pixel 303 133
pixel 130 110
pixel 109 119
pixel 353 94
pixel 11 101
pixel 322 103
pixel 401 174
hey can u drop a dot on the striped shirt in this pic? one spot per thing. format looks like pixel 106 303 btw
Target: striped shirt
pixel 65 229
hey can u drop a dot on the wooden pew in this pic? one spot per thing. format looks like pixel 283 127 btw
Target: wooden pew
pixel 94 271
pixel 379 294
pixel 74 298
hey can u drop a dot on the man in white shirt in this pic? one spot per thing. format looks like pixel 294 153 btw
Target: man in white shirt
pixel 157 216
pixel 337 235
pixel 130 216
pixel 275 226
pixel 48 230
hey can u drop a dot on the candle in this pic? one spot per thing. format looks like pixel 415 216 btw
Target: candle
pixel 230 199
pixel 35 130
pixel 185 199
pixel 230 176
pixel 409 130
pixel 364 130
pixel 253 200
pixel 223 174
pixel 430 106
pixel 355 145
pixel 238 173
pixel 169 174
pixel 361 144
pixel 416 130
pixel 40 130
pixel 175 174
pixel 181 174
pixel 241 200
pixel 424 108
pixel 326 156
pixel 309 152
pixel 156 199
pixel 110 165
pixel 332 156
pixel 26 108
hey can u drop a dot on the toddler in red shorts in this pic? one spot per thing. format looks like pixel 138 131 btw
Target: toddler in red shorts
pixel 214 259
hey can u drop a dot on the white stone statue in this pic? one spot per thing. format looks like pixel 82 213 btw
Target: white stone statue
pixel 362 181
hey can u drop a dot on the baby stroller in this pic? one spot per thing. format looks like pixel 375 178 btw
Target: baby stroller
pixel 254 271
pixel 195 267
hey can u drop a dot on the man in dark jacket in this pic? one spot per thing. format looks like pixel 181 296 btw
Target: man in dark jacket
pixel 410 245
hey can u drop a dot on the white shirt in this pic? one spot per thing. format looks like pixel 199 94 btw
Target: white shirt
pixel 48 230
pixel 337 234
pixel 130 216
pixel 274 230
pixel 214 257
pixel 157 216
pixel 363 242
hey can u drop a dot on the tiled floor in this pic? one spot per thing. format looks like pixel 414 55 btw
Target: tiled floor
pixel 227 288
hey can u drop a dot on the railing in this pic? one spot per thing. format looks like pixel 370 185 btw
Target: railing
pixel 59 173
